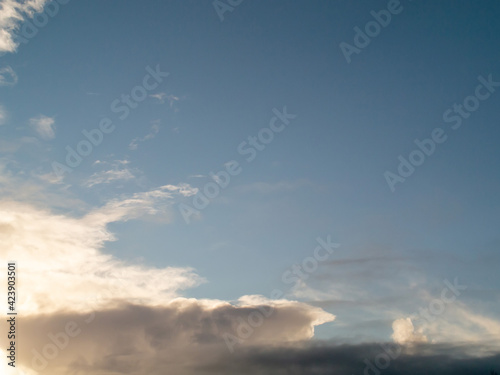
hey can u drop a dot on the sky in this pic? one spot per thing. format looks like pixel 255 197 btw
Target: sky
pixel 251 187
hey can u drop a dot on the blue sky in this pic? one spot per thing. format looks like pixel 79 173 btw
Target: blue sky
pixel 323 175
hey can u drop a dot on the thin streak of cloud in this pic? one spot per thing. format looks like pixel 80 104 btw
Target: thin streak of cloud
pixel 155 129
pixel 159 96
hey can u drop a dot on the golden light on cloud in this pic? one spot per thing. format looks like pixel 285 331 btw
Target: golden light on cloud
pixel 91 303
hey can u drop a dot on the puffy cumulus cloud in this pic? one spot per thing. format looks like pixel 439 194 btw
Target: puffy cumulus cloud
pixel 450 321
pixel 87 311
pixel 12 14
pixel 370 291
pixel 404 332
pixel 311 317
pixel 185 339
pixel 137 339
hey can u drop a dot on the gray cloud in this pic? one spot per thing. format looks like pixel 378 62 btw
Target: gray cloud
pixel 179 338
pixel 186 338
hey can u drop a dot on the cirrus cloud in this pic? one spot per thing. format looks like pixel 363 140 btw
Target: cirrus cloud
pixel 8 76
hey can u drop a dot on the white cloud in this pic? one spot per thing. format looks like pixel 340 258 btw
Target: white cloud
pixel 457 324
pixel 183 189
pixel 12 15
pixel 58 251
pixel 318 315
pixel 153 202
pixel 106 177
pixel 178 336
pixel 159 96
pixel 20 183
pixel 404 332
pixel 44 126
pixel 51 178
pixel 460 324
pixel 128 311
pixel 7 76
pixel 155 129
pixel 117 171
pixel 172 99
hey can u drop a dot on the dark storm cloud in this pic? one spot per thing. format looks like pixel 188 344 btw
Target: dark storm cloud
pixel 327 359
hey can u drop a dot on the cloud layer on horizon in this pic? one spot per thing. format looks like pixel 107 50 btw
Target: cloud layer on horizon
pixel 133 318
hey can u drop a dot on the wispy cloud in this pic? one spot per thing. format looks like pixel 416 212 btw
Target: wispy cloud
pixel 456 323
pixel 44 126
pixel 157 202
pixel 51 178
pixel 7 76
pixel 154 130
pixel 159 96
pixel 162 97
pixel 172 99
pixel 12 14
pixel 118 172
pixel 106 177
